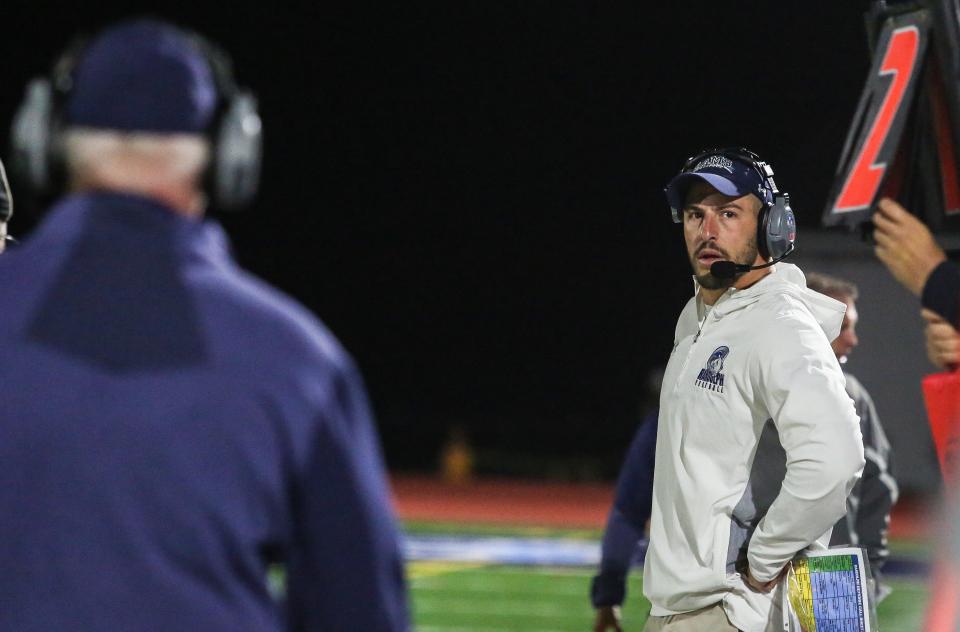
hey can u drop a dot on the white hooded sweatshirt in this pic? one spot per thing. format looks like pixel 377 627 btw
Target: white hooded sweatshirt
pixel 752 389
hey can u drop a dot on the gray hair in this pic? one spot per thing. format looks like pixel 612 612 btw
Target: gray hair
pixel 832 286
pixel 95 155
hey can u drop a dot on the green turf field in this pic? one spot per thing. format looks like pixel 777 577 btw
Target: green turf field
pixel 458 597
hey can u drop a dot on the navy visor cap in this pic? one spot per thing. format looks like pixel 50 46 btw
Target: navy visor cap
pixel 730 175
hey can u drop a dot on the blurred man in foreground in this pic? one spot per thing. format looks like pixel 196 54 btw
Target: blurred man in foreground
pixel 173 426
pixel 907 248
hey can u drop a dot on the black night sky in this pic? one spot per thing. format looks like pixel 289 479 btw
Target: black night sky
pixel 469 193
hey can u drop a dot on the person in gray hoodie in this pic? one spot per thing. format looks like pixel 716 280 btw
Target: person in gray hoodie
pixel 873 497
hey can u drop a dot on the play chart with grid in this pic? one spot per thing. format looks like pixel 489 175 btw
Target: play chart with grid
pixel 827 594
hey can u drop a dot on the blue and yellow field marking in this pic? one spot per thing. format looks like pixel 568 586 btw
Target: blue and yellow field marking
pixel 426 569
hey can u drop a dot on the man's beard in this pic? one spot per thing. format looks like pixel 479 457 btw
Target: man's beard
pixel 746 256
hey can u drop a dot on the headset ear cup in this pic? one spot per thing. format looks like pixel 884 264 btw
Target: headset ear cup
pixel 780 228
pixel 762 222
pixel 237 151
pixel 32 136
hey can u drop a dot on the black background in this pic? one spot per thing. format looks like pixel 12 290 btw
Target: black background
pixel 470 193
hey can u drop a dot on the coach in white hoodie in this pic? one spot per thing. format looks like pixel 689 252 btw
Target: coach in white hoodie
pixel 751 381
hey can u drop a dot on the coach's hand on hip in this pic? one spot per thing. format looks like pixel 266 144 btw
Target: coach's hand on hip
pixel 759 586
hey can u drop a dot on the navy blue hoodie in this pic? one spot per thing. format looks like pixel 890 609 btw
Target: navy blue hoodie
pixel 170 427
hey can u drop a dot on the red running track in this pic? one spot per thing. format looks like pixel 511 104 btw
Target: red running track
pixel 510 502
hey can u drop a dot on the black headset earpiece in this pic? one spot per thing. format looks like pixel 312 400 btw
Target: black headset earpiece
pixel 36 141
pixel 235 135
pixel 233 176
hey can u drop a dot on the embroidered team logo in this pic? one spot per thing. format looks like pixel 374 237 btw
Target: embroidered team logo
pixel 715 162
pixel 711 376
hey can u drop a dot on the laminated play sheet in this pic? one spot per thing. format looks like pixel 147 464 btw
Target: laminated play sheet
pixel 828 591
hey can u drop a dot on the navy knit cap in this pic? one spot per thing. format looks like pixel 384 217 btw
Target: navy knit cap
pixel 145 76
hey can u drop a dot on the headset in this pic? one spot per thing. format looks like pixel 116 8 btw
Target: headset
pixel 235 133
pixel 776 224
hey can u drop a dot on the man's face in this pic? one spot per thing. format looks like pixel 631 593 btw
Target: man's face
pixel 847 340
pixel 719 227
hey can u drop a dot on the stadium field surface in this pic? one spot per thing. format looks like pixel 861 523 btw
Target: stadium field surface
pixel 465 597
pixel 505 556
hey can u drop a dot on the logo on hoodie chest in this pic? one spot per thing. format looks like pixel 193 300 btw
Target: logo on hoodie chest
pixel 711 376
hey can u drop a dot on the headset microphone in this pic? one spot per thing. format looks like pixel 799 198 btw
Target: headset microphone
pixel 729 269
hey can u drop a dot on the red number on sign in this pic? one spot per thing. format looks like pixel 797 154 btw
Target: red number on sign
pixel 864 179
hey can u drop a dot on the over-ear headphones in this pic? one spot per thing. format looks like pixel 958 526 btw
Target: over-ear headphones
pixel 776 224
pixel 235 133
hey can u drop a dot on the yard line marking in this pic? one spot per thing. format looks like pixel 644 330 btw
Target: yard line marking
pixel 419 571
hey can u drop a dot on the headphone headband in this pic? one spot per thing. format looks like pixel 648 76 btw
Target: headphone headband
pixel 234 130
pixel 744 156
pixel 62 74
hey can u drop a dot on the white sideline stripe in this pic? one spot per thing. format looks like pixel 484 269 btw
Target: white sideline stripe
pixel 503 550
